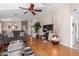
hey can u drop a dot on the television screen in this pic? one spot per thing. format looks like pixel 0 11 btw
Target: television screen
pixel 48 27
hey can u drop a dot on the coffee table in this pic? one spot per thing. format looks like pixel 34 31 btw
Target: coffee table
pixel 15 48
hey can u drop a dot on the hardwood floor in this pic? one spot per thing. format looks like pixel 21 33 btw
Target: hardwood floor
pixel 2 48
pixel 48 49
pixel 42 48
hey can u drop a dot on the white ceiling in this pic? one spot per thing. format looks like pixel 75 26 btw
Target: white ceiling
pixel 11 11
pixel 10 6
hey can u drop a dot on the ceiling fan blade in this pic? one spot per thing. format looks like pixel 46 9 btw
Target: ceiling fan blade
pixel 23 8
pixel 33 13
pixel 25 12
pixel 38 10
pixel 31 6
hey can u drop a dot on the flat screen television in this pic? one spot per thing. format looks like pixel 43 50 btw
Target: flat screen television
pixel 48 27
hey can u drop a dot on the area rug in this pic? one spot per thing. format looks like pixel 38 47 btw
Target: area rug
pixel 27 52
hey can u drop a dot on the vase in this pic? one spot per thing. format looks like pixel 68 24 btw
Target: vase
pixel 55 40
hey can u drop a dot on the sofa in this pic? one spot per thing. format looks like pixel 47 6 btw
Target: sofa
pixel 14 35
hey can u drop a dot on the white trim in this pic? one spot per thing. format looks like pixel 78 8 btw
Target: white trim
pixel 71 31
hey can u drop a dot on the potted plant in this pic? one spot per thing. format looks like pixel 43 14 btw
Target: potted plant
pixel 37 26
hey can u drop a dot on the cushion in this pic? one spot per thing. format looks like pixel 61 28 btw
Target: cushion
pixel 10 35
pixel 21 34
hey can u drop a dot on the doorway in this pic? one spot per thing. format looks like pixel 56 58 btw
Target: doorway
pixel 75 30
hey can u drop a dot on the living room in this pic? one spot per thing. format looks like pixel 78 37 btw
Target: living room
pixel 19 20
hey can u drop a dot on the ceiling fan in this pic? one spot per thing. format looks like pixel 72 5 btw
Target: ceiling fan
pixel 31 9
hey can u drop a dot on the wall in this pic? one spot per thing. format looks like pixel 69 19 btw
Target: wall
pixel 46 16
pixel 6 24
pixel 29 27
pixel 61 21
